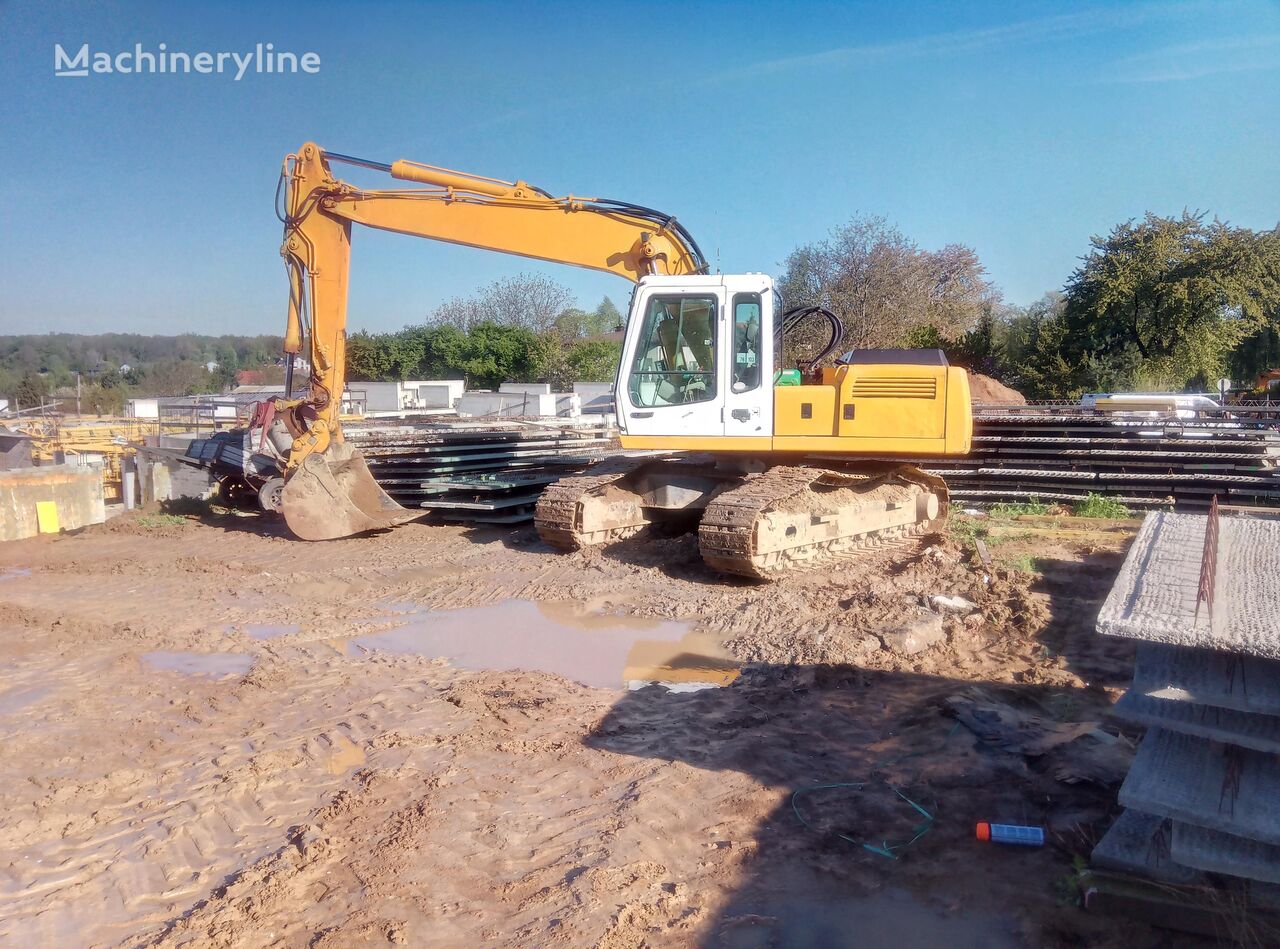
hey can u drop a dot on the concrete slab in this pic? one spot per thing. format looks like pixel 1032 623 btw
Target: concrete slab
pixel 1222 787
pixel 1247 729
pixel 1181 674
pixel 1216 852
pixel 1139 843
pixel 1154 596
pixel 74 492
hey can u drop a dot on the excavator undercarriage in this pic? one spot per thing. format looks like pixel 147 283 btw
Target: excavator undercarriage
pixel 753 521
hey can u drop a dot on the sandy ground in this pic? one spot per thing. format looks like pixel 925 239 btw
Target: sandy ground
pixel 215 735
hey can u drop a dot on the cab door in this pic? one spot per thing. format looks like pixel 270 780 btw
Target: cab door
pixel 671 378
pixel 748 341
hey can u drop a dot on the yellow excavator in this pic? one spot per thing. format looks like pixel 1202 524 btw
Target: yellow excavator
pixel 773 461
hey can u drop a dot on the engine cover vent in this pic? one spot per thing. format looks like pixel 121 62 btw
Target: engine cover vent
pixel 895 387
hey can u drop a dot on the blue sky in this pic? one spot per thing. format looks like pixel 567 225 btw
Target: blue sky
pixel 144 203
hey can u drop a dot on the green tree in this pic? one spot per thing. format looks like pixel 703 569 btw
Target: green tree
pixel 573 323
pixel 593 360
pixel 1163 302
pixel 102 400
pixel 30 391
pixel 884 287
pixel 368 357
pixel 494 354
pixel 606 316
pixel 550 362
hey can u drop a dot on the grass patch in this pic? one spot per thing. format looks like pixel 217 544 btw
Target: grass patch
pixel 1095 505
pixel 161 520
pixel 1024 563
pixel 968 529
pixel 1020 508
pixel 1007 537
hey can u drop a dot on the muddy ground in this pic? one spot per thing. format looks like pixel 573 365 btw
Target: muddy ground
pixel 215 735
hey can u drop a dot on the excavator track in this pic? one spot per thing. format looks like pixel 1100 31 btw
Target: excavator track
pixel 790 518
pixel 590 509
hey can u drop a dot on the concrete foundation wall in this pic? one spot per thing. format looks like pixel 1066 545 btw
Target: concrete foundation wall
pixel 568 404
pixel 161 479
pixel 439 395
pixel 76 490
pixel 597 397
pixel 380 396
pixel 507 404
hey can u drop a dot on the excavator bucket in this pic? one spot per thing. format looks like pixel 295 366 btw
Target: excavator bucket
pixel 332 494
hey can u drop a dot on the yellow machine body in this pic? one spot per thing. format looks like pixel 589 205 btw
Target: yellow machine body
pixel 879 410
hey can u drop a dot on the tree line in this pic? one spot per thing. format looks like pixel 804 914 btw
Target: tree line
pixel 518 329
pixel 36 368
pixel 1162 303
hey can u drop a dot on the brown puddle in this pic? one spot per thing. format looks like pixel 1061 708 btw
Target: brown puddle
pixel 214 664
pixel 344 754
pixel 16 699
pixel 270 630
pixel 597 649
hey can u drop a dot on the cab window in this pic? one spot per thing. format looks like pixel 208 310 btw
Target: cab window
pixel 746 341
pixel 675 359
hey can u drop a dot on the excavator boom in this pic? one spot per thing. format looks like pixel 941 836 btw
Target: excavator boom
pixel 328 491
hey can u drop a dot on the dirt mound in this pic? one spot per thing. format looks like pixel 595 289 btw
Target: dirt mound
pixel 985 389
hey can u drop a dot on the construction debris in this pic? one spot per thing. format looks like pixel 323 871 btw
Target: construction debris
pixel 1204 790
pixel 1156 597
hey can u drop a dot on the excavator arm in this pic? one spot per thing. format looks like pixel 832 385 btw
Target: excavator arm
pixel 328 490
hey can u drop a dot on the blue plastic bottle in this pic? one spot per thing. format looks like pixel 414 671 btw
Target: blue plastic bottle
pixel 1011 834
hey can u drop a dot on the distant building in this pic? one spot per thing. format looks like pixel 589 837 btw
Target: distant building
pixel 142 408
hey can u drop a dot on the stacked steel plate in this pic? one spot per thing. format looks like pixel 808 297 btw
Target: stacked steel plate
pixel 1062 454
pixel 477 471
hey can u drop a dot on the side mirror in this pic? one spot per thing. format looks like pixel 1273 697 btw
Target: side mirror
pixel 739 387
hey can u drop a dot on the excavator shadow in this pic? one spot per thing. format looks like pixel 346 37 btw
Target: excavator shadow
pixel 880 778
pixel 1076 589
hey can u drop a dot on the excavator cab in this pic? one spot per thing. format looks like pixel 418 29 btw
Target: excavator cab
pixel 693 363
pixel 697 374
